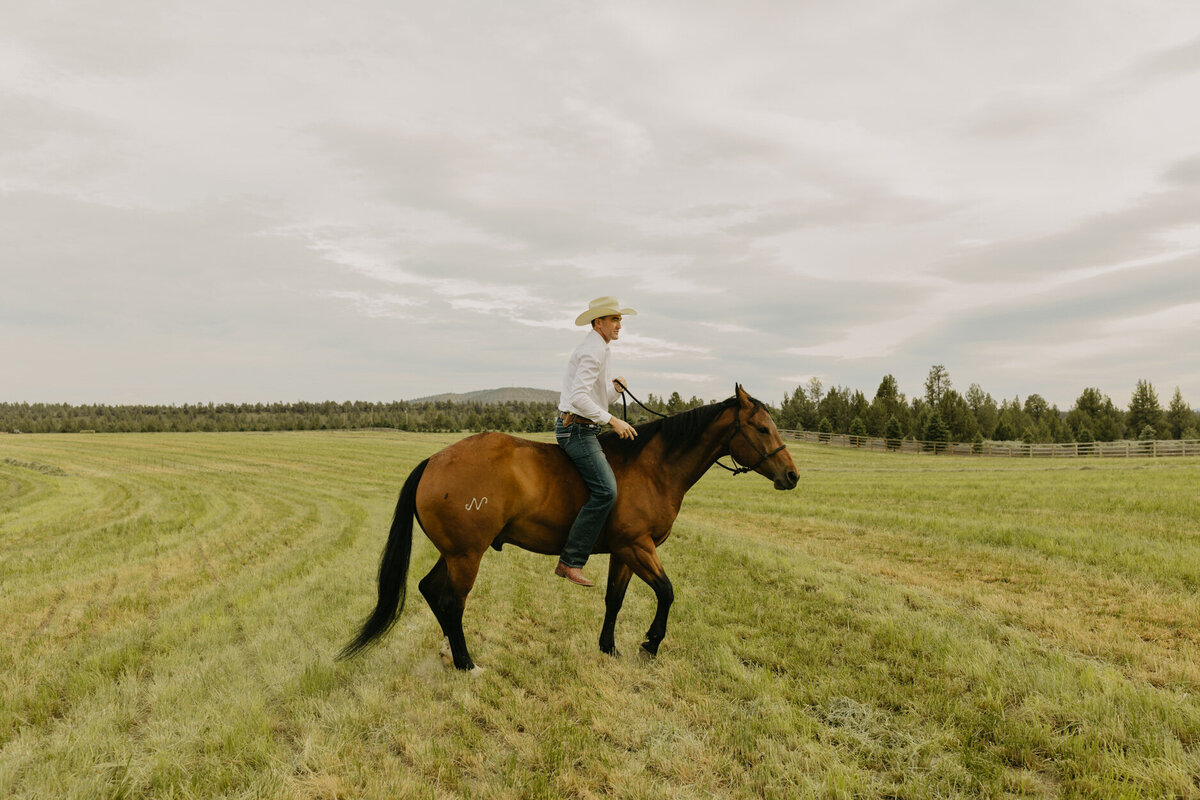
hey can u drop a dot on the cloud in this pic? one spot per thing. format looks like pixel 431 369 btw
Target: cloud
pixel 727 327
pixel 1183 318
pixel 638 347
pixel 871 340
pixel 380 201
pixel 1183 59
pixel 1148 229
pixel 379 305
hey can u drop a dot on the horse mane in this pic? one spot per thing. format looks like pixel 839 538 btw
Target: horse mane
pixel 677 431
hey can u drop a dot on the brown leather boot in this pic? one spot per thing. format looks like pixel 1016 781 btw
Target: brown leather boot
pixel 573 574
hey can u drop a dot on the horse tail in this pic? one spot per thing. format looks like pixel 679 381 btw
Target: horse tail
pixel 393 569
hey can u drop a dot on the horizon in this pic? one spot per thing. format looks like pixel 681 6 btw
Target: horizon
pixel 1163 400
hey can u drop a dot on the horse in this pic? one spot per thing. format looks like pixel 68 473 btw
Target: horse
pixel 493 489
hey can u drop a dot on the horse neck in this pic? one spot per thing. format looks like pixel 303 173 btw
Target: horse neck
pixel 691 463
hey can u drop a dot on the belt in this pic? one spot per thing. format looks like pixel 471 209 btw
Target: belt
pixel 569 418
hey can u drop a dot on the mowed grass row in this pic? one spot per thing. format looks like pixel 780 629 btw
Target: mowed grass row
pixel 909 626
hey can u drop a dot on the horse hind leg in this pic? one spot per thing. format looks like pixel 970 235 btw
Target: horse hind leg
pixel 445 588
pixel 432 586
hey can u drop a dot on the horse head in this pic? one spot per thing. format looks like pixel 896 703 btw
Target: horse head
pixel 755 441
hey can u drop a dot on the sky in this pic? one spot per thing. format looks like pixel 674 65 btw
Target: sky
pixel 310 200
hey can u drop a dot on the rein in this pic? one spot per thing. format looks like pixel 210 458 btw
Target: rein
pixel 736 469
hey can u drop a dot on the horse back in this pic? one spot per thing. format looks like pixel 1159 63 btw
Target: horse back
pixel 492 486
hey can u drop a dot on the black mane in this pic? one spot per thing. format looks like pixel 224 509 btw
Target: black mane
pixel 677 431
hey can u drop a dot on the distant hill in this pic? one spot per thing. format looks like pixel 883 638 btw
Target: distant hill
pixel 509 394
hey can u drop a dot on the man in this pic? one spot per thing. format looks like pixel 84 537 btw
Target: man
pixel 587 392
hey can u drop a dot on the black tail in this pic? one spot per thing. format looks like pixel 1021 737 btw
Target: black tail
pixel 393 569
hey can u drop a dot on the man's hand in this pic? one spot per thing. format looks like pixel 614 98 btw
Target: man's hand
pixel 619 384
pixel 623 428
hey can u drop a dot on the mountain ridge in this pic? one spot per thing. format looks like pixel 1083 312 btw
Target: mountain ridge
pixel 506 394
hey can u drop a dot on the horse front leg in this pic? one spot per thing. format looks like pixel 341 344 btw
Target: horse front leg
pixel 642 557
pixel 618 581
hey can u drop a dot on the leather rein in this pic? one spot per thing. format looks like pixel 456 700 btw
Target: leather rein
pixel 736 469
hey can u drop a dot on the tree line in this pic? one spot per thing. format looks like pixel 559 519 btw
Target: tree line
pixel 437 416
pixel 940 414
pixel 299 416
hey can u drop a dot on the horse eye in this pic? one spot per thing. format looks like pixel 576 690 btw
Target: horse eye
pixel 762 429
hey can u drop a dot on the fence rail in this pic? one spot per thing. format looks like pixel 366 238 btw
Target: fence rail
pixel 1122 449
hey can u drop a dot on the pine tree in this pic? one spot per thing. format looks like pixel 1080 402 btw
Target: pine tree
pixel 936 431
pixel 1036 407
pixel 936 384
pixel 888 402
pixel 956 413
pixel 984 408
pixel 1144 410
pixel 888 391
pixel 893 433
pixel 797 412
pixel 1147 437
pixel 1179 416
pixel 858 429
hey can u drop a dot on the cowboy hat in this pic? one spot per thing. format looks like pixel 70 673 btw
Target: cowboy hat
pixel 603 307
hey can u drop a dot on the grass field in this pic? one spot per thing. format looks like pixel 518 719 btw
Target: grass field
pixel 897 626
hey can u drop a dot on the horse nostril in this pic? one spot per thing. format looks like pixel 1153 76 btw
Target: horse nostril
pixel 793 477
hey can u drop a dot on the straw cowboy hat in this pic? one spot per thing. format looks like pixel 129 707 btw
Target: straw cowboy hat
pixel 603 307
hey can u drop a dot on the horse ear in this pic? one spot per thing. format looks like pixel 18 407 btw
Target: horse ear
pixel 742 397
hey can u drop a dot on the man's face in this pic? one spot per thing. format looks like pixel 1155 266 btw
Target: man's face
pixel 609 327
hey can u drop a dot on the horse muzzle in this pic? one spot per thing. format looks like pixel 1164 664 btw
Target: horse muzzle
pixel 787 481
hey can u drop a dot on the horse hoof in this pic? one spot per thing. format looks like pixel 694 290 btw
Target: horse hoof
pixel 476 672
pixel 646 654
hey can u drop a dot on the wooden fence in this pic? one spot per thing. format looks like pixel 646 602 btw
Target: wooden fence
pixel 1122 449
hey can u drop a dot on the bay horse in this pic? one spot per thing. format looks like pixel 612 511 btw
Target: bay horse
pixel 493 489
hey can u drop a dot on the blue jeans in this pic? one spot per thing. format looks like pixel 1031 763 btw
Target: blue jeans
pixel 579 442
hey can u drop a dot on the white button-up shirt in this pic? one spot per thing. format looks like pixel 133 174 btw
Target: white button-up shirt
pixel 587 388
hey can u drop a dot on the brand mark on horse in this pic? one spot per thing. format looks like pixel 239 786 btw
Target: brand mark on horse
pixel 475 504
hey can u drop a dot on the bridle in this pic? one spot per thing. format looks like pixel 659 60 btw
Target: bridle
pixel 736 469
pixel 737 428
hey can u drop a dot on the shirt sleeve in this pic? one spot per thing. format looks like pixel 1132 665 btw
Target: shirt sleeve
pixel 588 375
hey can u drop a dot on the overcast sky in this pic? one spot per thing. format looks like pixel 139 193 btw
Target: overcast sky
pixel 232 201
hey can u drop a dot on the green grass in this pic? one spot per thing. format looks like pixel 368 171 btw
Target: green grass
pixel 902 626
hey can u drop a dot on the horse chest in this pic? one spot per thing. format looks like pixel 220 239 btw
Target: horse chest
pixel 660 536
pixel 658 522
